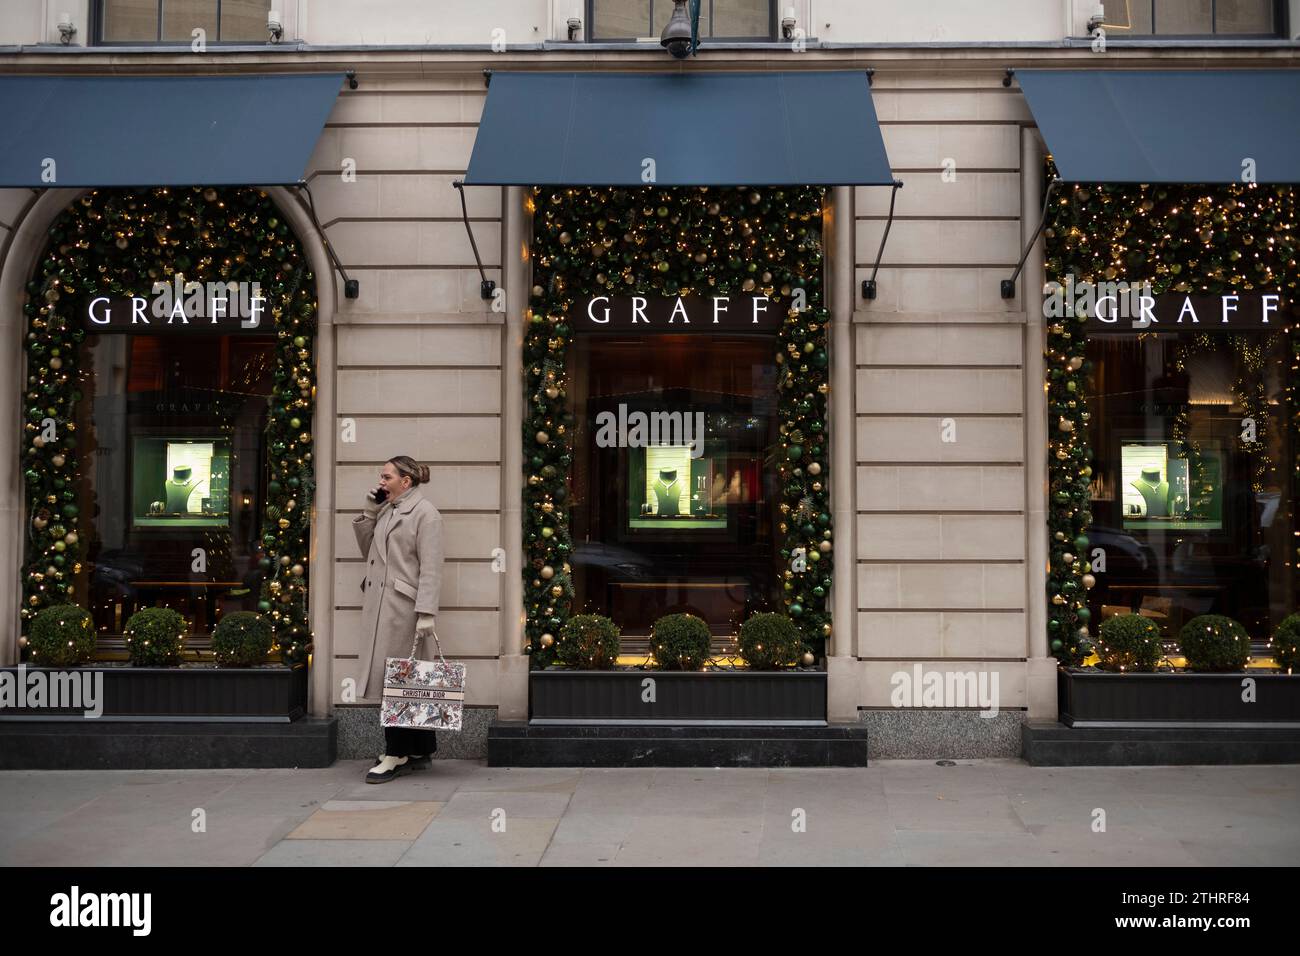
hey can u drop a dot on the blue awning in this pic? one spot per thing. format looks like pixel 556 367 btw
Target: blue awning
pixel 687 129
pixel 1168 126
pixel 161 130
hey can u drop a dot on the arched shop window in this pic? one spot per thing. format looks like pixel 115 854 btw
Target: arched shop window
pixel 1172 405
pixel 167 451
pixel 676 445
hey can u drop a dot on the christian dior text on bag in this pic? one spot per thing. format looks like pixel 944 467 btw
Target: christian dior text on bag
pixel 422 695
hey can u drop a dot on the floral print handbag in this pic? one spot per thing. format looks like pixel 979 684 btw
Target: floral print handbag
pixel 422 695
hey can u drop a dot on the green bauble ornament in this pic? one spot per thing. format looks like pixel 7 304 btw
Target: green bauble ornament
pixel 796 610
pixel 1056 645
pixel 264 606
pixel 794 453
pixel 1081 542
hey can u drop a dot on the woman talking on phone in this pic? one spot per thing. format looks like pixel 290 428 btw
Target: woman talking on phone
pixel 400 534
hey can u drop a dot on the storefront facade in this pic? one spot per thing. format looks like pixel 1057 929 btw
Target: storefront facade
pixel 923 423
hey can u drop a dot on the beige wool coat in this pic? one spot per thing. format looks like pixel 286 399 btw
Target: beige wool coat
pixel 403 552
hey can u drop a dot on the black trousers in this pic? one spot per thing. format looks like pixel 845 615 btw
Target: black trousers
pixel 405 742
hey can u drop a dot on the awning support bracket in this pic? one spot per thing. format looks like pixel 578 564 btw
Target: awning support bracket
pixel 869 285
pixel 1009 285
pixel 351 287
pixel 486 287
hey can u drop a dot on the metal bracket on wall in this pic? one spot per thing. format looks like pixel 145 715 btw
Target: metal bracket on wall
pixel 487 78
pixel 352 79
pixel 486 286
pixel 869 285
pixel 870 75
pixel 1009 285
pixel 351 287
pixel 1006 78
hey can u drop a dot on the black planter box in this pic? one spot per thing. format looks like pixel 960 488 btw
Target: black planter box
pixel 781 698
pixel 179 694
pixel 1104 699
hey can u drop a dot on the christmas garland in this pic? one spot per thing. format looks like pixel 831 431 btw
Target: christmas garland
pixel 677 241
pixel 1180 238
pixel 119 243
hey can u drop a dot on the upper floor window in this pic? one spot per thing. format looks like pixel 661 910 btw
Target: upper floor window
pixel 1193 17
pixel 174 21
pixel 719 19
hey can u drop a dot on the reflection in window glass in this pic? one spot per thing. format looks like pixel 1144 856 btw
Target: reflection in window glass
pixel 675 526
pixel 1192 518
pixel 126 20
pixel 182 17
pixel 1243 16
pixel 630 19
pixel 1189 17
pixel 1183 17
pixel 170 428
pixel 244 19
pixel 740 18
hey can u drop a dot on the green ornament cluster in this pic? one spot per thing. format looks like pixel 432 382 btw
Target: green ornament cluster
pixel 119 243
pixel 1180 238
pixel 677 241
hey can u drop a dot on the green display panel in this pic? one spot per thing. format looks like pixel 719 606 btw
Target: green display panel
pixel 1165 488
pixel 180 482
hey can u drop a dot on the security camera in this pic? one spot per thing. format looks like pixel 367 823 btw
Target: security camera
pixel 67 29
pixel 274 28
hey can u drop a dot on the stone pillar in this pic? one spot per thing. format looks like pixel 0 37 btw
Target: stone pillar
pixel 842 663
pixel 1040 677
pixel 512 678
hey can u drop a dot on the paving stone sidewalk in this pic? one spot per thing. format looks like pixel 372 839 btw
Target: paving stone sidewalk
pixel 461 812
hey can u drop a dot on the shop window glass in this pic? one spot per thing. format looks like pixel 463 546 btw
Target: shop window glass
pixel 1190 17
pixel 1193 517
pixel 171 430
pixel 629 19
pixel 662 528
pixel 173 21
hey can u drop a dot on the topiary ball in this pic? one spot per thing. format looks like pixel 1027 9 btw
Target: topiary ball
pixel 155 637
pixel 680 642
pixel 1128 642
pixel 242 639
pixel 1212 642
pixel 61 636
pixel 770 641
pixel 589 641
pixel 1285 644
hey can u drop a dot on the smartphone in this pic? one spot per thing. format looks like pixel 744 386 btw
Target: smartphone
pixel 381 495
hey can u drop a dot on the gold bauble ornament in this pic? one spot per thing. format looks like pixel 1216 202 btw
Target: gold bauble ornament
pixel 824 547
pixel 1089 581
pixel 284 523
pixel 297 570
pixel 57 461
pixel 548 640
pixel 816 486
pixel 38 441
pixel 38 522
pixel 1068 558
pixel 547 572
pixel 70 537
pixel 552 392
pixel 815 468
pixel 1076 363
pixel 542 438
pixel 556 590
pixel 808 660
pixel 285 560
pixel 1057 599
pixel 826 630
